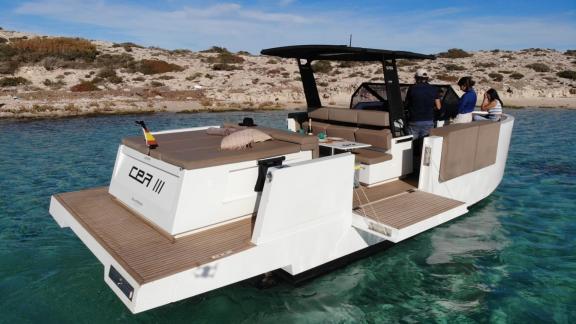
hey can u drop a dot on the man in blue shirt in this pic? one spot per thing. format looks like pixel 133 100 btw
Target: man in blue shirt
pixel 421 100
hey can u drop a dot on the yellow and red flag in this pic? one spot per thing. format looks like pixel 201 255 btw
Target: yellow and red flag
pixel 150 140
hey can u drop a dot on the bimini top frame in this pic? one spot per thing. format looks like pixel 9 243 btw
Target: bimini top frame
pixel 306 54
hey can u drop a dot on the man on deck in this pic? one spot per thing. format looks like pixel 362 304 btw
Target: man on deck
pixel 421 100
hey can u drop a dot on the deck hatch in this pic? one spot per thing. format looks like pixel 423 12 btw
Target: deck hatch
pixel 120 282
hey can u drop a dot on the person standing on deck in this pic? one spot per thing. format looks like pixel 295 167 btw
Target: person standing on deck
pixel 467 102
pixel 421 100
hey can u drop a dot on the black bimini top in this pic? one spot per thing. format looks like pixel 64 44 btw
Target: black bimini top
pixel 341 53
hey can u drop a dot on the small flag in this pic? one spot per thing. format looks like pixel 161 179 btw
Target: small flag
pixel 150 140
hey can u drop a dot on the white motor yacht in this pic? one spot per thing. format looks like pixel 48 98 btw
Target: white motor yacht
pixel 187 217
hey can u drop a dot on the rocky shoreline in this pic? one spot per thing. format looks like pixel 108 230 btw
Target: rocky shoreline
pixel 58 77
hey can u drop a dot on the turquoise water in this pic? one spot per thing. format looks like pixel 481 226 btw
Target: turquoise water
pixel 512 258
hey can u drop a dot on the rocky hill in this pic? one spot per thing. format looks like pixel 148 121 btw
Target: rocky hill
pixel 57 76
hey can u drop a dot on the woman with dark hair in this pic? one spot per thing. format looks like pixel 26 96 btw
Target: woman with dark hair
pixel 467 102
pixel 492 104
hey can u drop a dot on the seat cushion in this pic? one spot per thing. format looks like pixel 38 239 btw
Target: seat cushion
pixel 377 138
pixel 319 113
pixel 373 118
pixel 344 132
pixel 343 115
pixel 367 156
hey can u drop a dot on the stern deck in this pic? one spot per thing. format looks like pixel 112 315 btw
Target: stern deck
pixel 145 253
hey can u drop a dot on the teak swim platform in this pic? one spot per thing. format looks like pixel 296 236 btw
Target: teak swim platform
pixel 183 216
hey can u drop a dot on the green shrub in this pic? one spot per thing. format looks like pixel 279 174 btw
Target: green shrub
pixel 570 53
pixel 227 58
pixel 114 61
pixel 323 84
pixel 447 77
pixel 110 75
pixel 321 67
pixel 496 76
pixel 8 67
pixel 155 67
pixel 35 49
pixel 3 40
pixel 568 74
pixel 139 79
pixel 84 86
pixel 245 53
pixel 127 46
pixel 516 76
pixel 216 49
pixel 193 76
pixel 505 72
pixel 539 67
pixel 225 67
pixel 454 67
pixel 272 61
pixel 454 53
pixel 401 63
pixel 156 84
pixel 13 82
pixel 165 77
pixel 485 64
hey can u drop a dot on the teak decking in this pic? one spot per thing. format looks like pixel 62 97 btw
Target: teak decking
pixel 142 251
pixel 408 208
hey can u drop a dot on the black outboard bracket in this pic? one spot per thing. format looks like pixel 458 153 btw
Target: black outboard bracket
pixel 263 166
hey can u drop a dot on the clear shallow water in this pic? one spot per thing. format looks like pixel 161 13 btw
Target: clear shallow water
pixel 512 258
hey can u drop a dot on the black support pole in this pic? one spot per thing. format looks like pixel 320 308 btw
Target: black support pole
pixel 309 83
pixel 394 96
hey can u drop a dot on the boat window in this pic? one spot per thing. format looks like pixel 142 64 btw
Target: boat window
pixel 370 96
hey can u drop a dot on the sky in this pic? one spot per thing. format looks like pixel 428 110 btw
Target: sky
pixel 421 25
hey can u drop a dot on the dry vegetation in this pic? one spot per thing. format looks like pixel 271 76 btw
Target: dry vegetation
pixel 91 77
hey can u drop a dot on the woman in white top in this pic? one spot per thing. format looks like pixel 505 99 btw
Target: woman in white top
pixel 492 104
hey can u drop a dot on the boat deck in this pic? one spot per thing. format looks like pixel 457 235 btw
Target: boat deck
pixel 145 253
pixel 366 195
pixel 408 208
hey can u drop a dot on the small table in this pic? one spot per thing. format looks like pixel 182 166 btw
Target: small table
pixel 341 144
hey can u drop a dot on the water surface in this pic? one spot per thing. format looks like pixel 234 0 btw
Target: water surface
pixel 512 258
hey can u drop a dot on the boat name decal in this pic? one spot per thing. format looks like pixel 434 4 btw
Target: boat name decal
pixel 146 178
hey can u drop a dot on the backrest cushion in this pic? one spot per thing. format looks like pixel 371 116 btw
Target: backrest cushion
pixel 343 115
pixel 344 132
pixel 376 138
pixel 373 118
pixel 320 113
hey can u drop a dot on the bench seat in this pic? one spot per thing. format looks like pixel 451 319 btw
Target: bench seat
pixel 367 156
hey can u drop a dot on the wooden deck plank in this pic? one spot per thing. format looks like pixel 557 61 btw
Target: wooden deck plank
pixel 364 195
pixel 407 208
pixel 142 251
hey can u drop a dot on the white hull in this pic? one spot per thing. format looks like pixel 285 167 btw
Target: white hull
pixel 305 219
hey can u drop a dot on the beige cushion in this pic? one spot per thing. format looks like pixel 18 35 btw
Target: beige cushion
pixel 377 138
pixel 343 115
pixel 488 134
pixel 319 113
pixel 367 156
pixel 243 138
pixel 344 132
pixel 373 118
pixel 458 149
